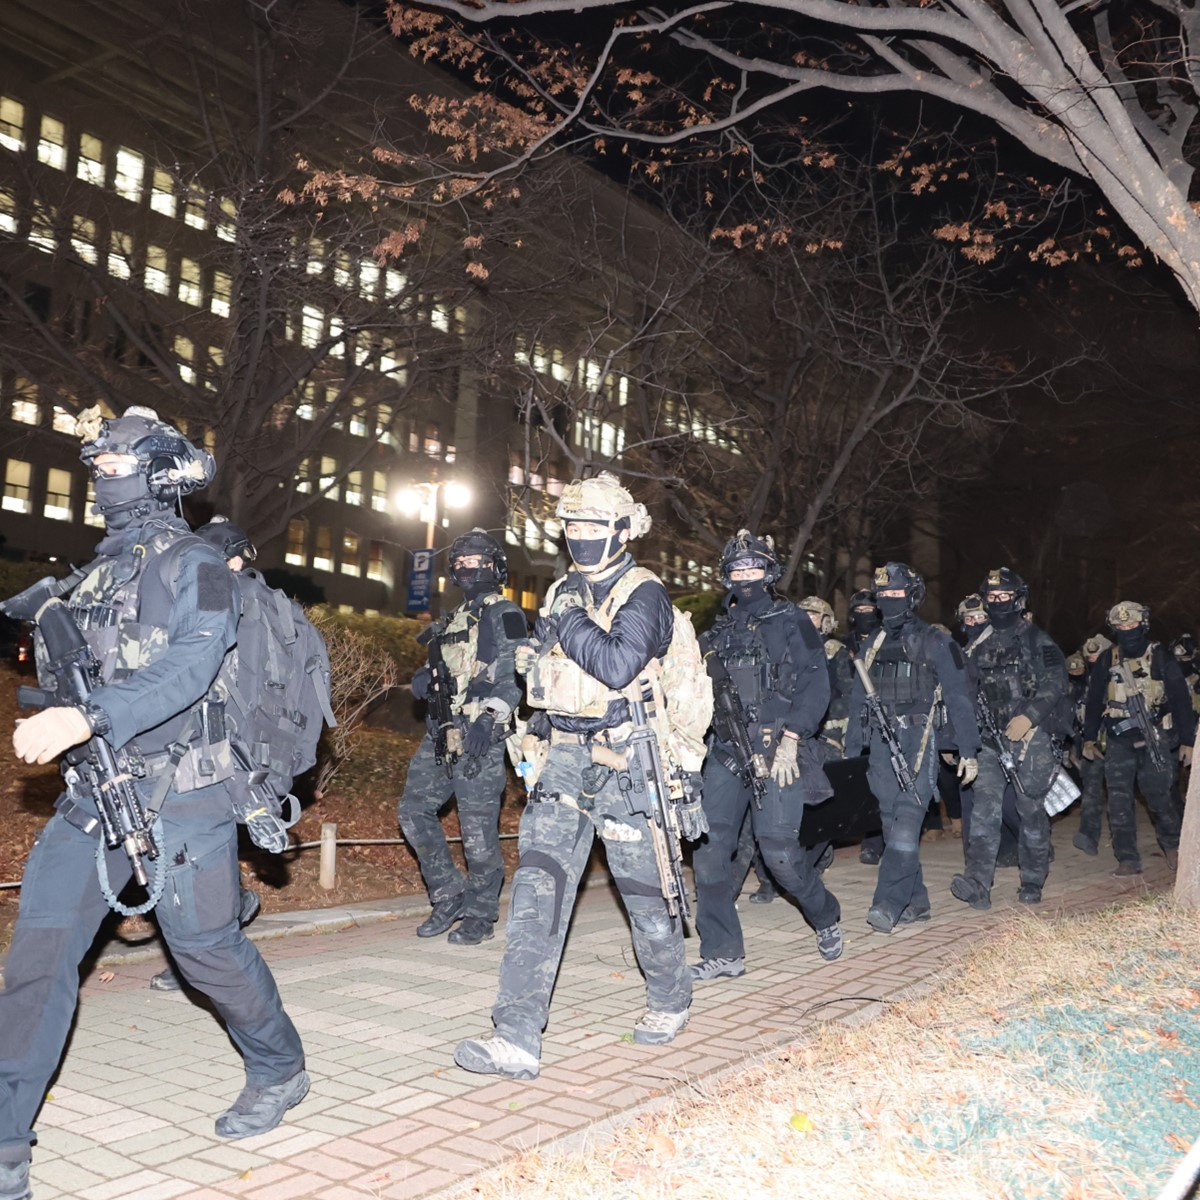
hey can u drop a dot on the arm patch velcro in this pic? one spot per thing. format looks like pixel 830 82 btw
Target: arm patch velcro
pixel 515 627
pixel 1051 656
pixel 212 587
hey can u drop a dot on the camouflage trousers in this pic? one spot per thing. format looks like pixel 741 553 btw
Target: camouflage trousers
pixel 1035 770
pixel 556 842
pixel 776 829
pixel 427 791
pixel 1091 805
pixel 1126 766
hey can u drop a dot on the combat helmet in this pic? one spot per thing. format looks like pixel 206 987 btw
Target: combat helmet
pixel 901 575
pixel 1096 645
pixel 1126 611
pixel 1075 664
pixel 479 541
pixel 1005 579
pixel 1184 647
pixel 971 606
pixel 602 500
pixel 814 604
pixel 744 550
pixel 863 598
pixel 231 540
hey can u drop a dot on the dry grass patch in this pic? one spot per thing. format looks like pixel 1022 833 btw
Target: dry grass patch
pixel 1058 1060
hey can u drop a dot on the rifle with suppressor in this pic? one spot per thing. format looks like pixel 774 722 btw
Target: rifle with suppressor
pixel 94 767
pixel 447 738
pixel 900 767
pixel 1140 712
pixel 648 778
pixel 731 728
pixel 990 728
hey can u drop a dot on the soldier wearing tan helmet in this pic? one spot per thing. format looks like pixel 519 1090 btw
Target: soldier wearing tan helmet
pixel 1138 674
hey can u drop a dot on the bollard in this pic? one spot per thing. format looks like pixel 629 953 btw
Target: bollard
pixel 328 876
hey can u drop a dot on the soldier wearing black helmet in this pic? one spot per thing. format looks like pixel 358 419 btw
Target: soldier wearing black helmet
pixel 776 660
pixel 1138 665
pixel 1184 649
pixel 862 617
pixel 1021 676
pixel 159 637
pixel 915 670
pixel 476 644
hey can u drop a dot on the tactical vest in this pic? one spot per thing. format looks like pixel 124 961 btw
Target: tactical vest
pixel 904 678
pixel 1116 708
pixel 111 609
pixel 459 644
pixel 743 649
pixel 1006 676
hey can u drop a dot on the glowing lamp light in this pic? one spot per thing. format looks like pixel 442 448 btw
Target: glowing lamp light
pixel 408 502
pixel 457 495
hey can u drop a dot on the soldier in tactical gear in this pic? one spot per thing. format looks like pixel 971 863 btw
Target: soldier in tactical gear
pixel 599 641
pixel 972 618
pixel 475 645
pixel 1184 649
pixel 1091 770
pixel 863 619
pixel 159 642
pixel 774 655
pixel 915 670
pixel 1020 676
pixel 1133 755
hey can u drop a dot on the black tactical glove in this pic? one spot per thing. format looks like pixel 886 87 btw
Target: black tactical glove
pixel 693 824
pixel 420 683
pixel 477 741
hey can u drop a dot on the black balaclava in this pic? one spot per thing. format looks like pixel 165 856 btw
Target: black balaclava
pixel 1003 614
pixel 598 552
pixel 865 620
pixel 1133 642
pixel 125 500
pixel 475 581
pixel 895 610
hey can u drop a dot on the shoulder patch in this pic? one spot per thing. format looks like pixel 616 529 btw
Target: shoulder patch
pixel 212 587
pixel 515 627
pixel 1052 656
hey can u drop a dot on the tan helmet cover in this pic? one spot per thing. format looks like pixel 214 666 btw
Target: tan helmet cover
pixel 1096 645
pixel 602 499
pixel 1125 611
pixel 814 604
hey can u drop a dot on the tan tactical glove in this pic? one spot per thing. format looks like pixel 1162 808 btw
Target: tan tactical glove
pixel 968 768
pixel 1185 755
pixel 44 736
pixel 785 769
pixel 1018 728
pixel 524 656
pixel 1092 752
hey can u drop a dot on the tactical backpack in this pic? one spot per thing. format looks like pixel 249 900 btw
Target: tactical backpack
pixel 274 685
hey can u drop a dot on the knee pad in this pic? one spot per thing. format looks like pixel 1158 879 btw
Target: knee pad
pixel 651 922
pixel 538 888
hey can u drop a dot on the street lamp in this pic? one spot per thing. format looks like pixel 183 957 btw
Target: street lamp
pixel 422 501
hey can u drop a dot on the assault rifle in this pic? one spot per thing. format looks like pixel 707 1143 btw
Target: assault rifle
pixel 447 740
pixel 990 728
pixel 1140 713
pixel 24 605
pixel 95 767
pixel 900 767
pixel 731 728
pixel 649 778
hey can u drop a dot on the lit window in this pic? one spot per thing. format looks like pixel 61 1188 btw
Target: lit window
pixel 62 421
pixel 343 270
pixel 17 475
pixel 451 454
pixel 316 258
pixel 8 212
pixel 12 123
pixel 439 318
pixel 221 291
pixel 131 169
pixel 520 353
pixel 83 239
pixel 52 144
pixel 369 275
pixel 558 368
pixel 358 419
pixel 323 549
pixel 294 554
pixel 89 517
pixel 214 367
pixel 89 166
pixel 58 495
pixel 304 476
pixel 157 278
pixel 162 193
pixel 312 326
pixel 433 441
pixel 120 247
pixel 396 282
pixel 336 332
pixel 539 360
pixel 351 548
pixel 306 410
pixel 354 488
pixel 25 411
pixel 41 229
pixel 195 208
pixel 185 352
pixel 550 531
pixel 375 561
pixel 190 289
pixel 392 364
pixel 379 485
pixel 227 220
pixel 328 473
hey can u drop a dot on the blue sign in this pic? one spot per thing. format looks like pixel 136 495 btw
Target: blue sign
pixel 420 580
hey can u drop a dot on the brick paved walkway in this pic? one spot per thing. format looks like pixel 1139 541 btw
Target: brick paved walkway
pixel 391 1118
